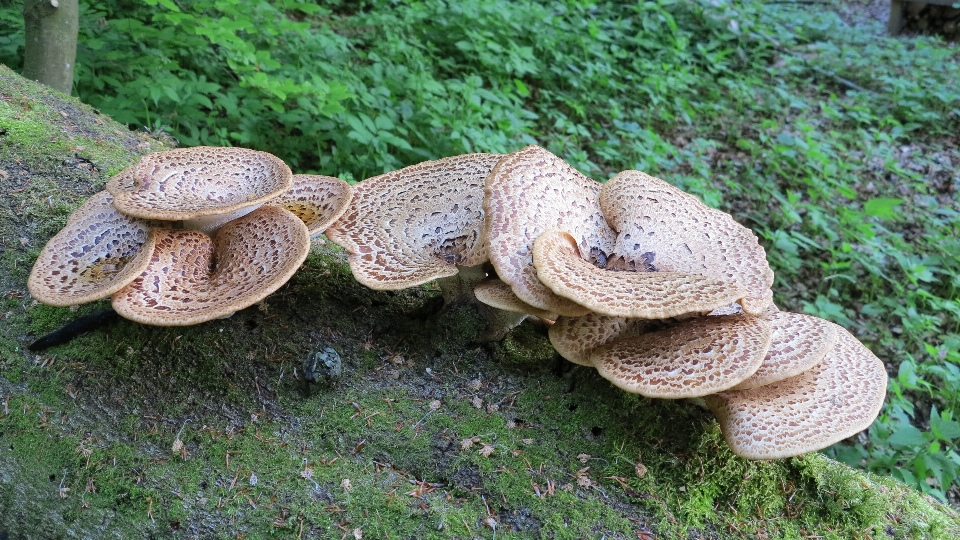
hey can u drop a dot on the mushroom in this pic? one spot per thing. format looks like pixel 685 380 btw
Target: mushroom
pixel 317 200
pixel 529 192
pixel 203 186
pixel 420 223
pixel 637 294
pixel 835 399
pixel 193 278
pixel 97 253
pixel 635 247
pixel 498 294
pixel 691 358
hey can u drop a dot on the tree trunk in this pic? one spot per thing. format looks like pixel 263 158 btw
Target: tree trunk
pixel 51 42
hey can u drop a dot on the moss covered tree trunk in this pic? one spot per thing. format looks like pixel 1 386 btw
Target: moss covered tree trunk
pixel 51 42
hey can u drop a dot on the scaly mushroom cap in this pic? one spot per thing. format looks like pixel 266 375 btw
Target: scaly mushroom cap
pixel 685 235
pixel 96 254
pixel 189 183
pixel 193 278
pixel 317 200
pixel 691 358
pixel 576 337
pixel 834 400
pixel 635 294
pixel 529 192
pixel 498 294
pixel 799 342
pixel 407 227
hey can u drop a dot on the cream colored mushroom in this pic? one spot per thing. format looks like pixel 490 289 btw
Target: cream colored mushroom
pixel 691 358
pixel 317 200
pixel 97 253
pixel 576 337
pixel 193 278
pixel 203 186
pixel 633 294
pixel 420 223
pixel 835 399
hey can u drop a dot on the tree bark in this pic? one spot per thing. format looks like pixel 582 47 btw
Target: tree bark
pixel 51 42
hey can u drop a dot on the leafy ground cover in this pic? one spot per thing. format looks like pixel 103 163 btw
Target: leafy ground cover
pixel 836 144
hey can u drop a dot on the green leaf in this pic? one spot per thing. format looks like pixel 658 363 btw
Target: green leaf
pixel 881 207
pixel 907 436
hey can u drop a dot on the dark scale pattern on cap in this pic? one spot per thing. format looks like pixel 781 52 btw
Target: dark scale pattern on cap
pixel 188 183
pixel 834 400
pixel 96 254
pixel 417 224
pixel 529 192
pixel 685 235
pixel 646 295
pixel 691 358
pixel 576 337
pixel 193 278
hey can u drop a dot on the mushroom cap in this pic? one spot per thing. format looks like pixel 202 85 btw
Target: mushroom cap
pixel 685 235
pixel 189 183
pixel 96 254
pixel 317 200
pixel 498 294
pixel 644 295
pixel 407 227
pixel 692 358
pixel 193 278
pixel 529 192
pixel 576 337
pixel 799 342
pixel 834 400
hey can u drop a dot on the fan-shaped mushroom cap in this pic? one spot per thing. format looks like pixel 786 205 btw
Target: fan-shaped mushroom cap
pixel 691 358
pixel 407 227
pixel 317 200
pixel 799 342
pixel 193 278
pixel 576 337
pixel 651 216
pixel 834 400
pixel 529 192
pixel 498 294
pixel 189 183
pixel 645 295
pixel 96 254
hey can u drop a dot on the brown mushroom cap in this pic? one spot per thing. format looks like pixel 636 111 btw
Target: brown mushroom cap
pixel 691 358
pixel 193 278
pixel 189 183
pixel 96 254
pixel 576 337
pixel 645 295
pixel 685 235
pixel 799 342
pixel 834 400
pixel 317 200
pixel 407 227
pixel 498 294
pixel 529 192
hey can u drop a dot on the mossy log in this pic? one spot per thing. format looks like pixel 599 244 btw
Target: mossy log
pixel 210 431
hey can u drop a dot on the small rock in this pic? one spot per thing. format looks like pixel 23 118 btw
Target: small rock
pixel 323 367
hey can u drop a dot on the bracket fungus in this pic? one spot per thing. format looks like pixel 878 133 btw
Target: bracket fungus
pixel 97 253
pixel 420 223
pixel 635 247
pixel 193 278
pixel 204 186
pixel 317 200
pixel 691 358
pixel 835 399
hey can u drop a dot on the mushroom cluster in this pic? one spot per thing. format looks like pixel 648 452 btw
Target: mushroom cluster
pixel 661 294
pixel 188 235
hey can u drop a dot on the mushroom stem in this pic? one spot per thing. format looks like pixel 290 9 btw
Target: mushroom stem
pixel 458 290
